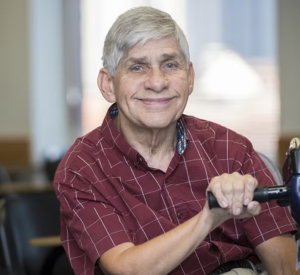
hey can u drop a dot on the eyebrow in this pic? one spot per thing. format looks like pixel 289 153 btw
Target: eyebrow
pixel 175 56
pixel 133 60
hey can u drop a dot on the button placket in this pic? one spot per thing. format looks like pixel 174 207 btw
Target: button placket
pixel 137 162
pixel 173 195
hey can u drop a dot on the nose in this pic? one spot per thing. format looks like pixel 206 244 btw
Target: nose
pixel 156 80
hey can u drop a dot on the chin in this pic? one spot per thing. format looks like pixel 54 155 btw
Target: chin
pixel 158 123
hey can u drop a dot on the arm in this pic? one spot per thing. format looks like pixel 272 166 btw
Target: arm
pixel 165 252
pixel 278 255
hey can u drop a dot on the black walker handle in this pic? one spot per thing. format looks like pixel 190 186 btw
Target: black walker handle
pixel 261 194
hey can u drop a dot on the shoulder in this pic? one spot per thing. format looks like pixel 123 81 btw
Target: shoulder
pixel 83 152
pixel 87 144
pixel 227 148
pixel 204 130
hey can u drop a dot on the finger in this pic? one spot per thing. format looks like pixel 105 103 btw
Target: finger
pixel 222 200
pixel 215 187
pixel 250 185
pixel 254 208
pixel 238 196
pixel 227 190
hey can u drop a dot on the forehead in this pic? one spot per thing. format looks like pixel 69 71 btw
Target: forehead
pixel 157 47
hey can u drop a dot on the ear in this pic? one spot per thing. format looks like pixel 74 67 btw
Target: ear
pixel 192 77
pixel 105 84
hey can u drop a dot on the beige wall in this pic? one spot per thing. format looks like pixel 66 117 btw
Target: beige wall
pixel 14 85
pixel 14 69
pixel 33 108
pixel 289 66
pixel 15 72
pixel 289 63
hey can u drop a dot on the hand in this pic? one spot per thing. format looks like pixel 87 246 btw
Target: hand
pixel 234 193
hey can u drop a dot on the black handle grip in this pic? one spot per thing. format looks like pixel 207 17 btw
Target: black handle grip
pixel 261 194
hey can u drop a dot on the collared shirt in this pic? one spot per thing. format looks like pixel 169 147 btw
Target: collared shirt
pixel 109 195
pixel 181 134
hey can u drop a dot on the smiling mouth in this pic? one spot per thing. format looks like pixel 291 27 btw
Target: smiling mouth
pixel 156 101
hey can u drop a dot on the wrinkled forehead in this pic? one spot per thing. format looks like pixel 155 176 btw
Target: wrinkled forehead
pixel 162 48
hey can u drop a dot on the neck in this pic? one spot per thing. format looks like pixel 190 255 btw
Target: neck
pixel 157 146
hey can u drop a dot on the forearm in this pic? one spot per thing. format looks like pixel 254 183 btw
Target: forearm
pixel 278 255
pixel 161 254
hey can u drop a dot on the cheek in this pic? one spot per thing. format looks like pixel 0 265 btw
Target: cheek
pixel 129 87
pixel 124 92
pixel 183 85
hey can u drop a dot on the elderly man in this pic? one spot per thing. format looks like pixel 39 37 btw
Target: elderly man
pixel 133 191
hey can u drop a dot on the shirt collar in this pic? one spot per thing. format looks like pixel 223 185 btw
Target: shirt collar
pixel 181 133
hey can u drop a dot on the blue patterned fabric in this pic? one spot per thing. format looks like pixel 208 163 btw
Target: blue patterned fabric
pixel 181 137
pixel 113 111
pixel 181 134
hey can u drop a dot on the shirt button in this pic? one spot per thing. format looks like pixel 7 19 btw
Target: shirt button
pixel 139 159
pixel 166 180
pixel 179 215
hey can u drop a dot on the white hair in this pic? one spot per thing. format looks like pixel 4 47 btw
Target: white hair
pixel 138 25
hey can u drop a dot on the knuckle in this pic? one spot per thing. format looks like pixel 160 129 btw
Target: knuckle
pixel 252 182
pixel 239 188
pixel 224 176
pixel 236 174
pixel 214 180
pixel 249 178
pixel 226 189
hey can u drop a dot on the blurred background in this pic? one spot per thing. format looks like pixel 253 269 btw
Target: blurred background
pixel 246 56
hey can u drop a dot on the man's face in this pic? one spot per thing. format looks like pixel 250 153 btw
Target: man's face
pixel 152 84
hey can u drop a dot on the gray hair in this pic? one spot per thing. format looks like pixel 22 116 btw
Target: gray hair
pixel 138 25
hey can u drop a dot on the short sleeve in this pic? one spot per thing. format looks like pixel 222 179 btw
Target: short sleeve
pixel 92 225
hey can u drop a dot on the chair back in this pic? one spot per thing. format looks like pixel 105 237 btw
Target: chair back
pixel 4 175
pixel 28 216
pixel 273 168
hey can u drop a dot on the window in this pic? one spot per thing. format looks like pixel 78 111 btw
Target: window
pixel 233 48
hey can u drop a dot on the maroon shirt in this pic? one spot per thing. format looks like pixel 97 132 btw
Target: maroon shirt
pixel 109 196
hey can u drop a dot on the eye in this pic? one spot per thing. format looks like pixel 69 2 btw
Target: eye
pixel 170 65
pixel 136 68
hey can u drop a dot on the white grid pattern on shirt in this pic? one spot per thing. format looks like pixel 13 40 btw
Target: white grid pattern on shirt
pixel 82 173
